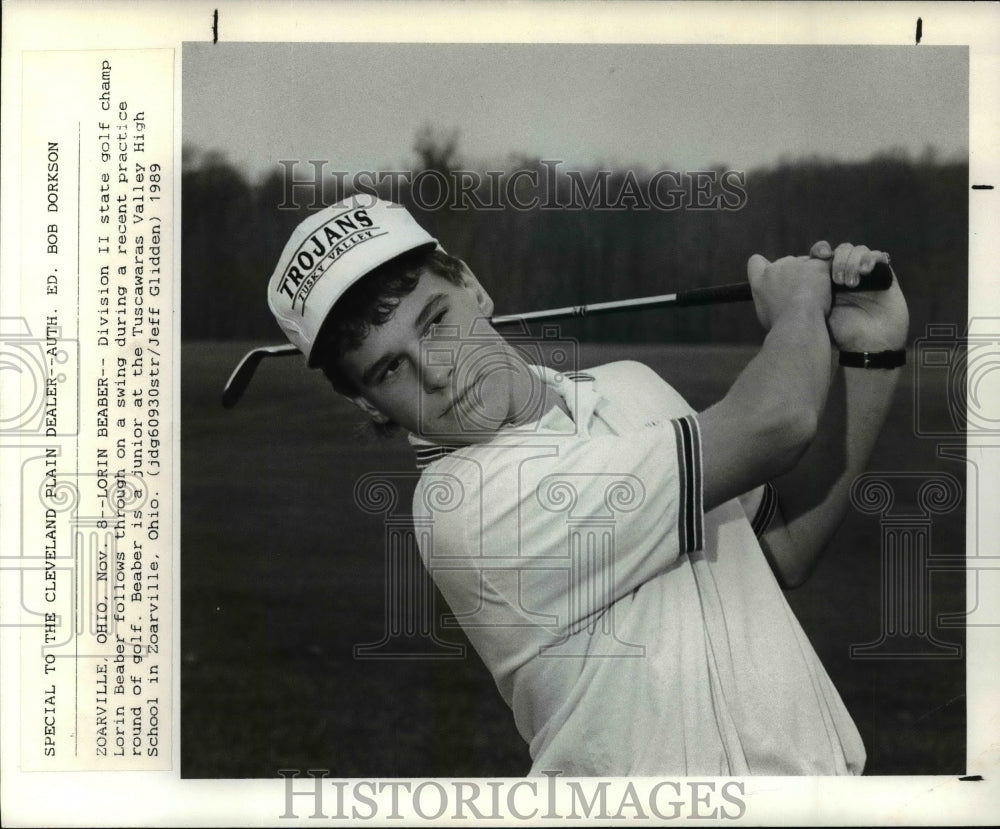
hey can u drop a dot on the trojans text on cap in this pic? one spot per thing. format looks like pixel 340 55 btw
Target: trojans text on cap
pixel 341 233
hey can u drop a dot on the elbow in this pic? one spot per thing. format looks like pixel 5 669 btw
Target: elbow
pixel 797 571
pixel 791 564
pixel 793 578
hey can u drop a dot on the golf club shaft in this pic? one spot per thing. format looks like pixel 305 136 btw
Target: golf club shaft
pixel 878 280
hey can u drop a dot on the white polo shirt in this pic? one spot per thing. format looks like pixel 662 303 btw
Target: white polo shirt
pixel 630 633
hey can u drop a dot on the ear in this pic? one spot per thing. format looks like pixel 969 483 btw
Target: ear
pixel 483 299
pixel 369 410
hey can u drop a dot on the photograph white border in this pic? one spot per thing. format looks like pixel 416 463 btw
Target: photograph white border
pixel 162 798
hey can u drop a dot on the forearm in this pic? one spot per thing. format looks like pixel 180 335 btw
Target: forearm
pixel 760 428
pixel 814 496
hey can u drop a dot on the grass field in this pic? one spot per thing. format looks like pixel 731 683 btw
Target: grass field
pixel 282 575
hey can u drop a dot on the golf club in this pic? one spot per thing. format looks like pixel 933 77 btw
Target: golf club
pixel 880 279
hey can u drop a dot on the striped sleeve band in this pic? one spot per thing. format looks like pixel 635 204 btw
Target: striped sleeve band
pixel 426 455
pixel 765 512
pixel 691 519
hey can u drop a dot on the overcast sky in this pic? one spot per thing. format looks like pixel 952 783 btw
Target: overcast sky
pixel 359 106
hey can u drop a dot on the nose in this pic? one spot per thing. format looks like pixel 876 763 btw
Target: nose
pixel 435 377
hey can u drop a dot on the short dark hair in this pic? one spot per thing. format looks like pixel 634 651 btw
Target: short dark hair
pixel 371 301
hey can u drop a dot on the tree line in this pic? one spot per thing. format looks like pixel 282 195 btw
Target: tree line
pixel 598 235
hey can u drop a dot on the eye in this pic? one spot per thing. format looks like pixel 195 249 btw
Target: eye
pixel 388 371
pixel 391 369
pixel 437 320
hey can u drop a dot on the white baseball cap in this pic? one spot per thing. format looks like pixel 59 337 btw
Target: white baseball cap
pixel 330 251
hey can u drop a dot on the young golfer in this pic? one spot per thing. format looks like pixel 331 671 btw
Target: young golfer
pixel 615 557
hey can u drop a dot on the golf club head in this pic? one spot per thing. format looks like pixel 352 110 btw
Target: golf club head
pixel 244 371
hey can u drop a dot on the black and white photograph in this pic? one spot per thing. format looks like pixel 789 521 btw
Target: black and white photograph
pixel 546 413
pixel 772 595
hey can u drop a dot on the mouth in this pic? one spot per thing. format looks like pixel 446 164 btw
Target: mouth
pixel 459 399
